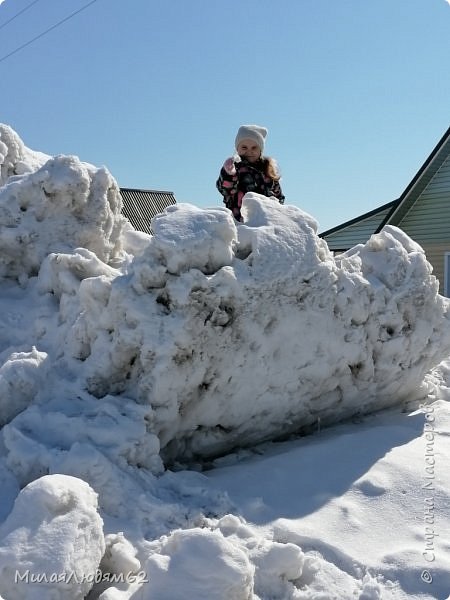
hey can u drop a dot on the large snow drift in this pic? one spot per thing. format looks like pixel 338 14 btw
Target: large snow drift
pixel 214 335
pixel 120 352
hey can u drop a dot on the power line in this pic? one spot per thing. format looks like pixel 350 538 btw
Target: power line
pixel 18 14
pixel 47 30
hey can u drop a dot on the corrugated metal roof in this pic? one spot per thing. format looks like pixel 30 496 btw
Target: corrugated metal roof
pixel 140 206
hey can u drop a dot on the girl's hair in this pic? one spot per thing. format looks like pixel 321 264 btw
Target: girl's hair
pixel 271 168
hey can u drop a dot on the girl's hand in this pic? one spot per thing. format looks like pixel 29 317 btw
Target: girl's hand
pixel 229 166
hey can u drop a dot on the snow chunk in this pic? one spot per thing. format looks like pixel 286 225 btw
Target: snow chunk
pixel 120 555
pixel 280 238
pixel 276 564
pixel 187 237
pixel 20 378
pixel 280 560
pixel 60 540
pixel 64 205
pixel 198 563
pixel 15 157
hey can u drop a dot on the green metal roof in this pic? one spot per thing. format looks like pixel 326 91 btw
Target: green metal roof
pixel 423 177
pixel 393 212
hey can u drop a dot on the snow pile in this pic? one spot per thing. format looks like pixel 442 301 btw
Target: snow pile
pixel 121 353
pixel 232 336
pixel 215 335
pixel 54 522
pixel 62 205
pixel 15 157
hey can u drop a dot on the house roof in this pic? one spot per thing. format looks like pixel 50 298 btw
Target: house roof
pixel 140 206
pixel 367 215
pixel 392 212
pixel 423 177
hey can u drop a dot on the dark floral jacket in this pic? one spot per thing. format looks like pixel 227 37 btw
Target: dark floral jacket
pixel 249 177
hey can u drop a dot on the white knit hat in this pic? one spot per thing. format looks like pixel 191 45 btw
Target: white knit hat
pixel 251 132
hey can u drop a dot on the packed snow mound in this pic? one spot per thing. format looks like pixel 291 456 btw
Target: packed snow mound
pixel 54 522
pixel 180 558
pixel 226 351
pixel 215 335
pixel 121 353
pixel 62 205
pixel 15 157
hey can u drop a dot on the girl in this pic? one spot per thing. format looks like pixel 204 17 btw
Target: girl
pixel 250 171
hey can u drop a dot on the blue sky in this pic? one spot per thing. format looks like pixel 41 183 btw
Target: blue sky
pixel 355 94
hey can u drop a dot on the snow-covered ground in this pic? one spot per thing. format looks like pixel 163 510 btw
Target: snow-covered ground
pixel 152 391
